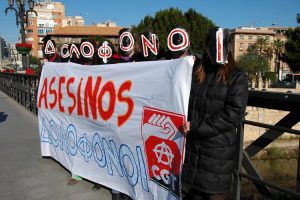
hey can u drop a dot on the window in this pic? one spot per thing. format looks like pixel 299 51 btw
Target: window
pixel 241 46
pixel 30 23
pixel 267 37
pixel 29 31
pixel 48 30
pixel 259 36
pixel 41 31
pixel 250 37
pixel 29 39
pixel 249 45
pixel 241 37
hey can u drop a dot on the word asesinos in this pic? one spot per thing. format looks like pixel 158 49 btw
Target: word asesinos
pixel 87 49
pixel 98 98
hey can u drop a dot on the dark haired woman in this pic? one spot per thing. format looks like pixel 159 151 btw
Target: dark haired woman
pixel 217 104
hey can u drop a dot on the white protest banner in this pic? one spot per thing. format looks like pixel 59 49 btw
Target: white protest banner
pixel 117 125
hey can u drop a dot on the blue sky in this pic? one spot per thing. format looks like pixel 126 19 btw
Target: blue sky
pixel 228 14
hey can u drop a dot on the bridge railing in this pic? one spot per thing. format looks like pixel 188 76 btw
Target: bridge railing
pixel 270 100
pixel 22 88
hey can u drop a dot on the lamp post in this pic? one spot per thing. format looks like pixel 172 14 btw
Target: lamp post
pixel 22 20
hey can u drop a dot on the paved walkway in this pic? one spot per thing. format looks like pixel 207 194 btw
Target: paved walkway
pixel 24 174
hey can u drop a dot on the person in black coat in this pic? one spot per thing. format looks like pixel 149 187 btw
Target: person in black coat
pixel 217 104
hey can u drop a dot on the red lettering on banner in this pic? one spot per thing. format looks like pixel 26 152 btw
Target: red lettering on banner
pixel 110 89
pixel 43 94
pixel 79 106
pixel 126 86
pixel 71 95
pixel 90 96
pixel 52 92
pixel 100 101
pixel 61 81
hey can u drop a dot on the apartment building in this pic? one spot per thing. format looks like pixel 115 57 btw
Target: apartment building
pixel 244 37
pixel 50 17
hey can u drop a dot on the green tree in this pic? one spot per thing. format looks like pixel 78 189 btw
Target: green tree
pixel 34 60
pixel 165 20
pixel 292 49
pixel 261 45
pixel 198 26
pixel 278 47
pixel 268 52
pixel 253 64
pixel 35 63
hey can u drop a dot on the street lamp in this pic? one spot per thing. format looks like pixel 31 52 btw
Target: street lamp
pixel 21 19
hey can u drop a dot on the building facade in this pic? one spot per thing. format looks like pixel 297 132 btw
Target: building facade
pixel 245 37
pixel 50 17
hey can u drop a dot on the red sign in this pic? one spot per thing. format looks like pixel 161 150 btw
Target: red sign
pixel 163 141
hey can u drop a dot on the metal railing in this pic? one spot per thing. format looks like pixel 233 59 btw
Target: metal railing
pixel 278 101
pixel 22 88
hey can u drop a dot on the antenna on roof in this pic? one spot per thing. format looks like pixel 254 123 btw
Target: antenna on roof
pixel 277 17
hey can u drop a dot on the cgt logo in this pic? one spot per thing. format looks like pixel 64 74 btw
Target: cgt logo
pixel 163 141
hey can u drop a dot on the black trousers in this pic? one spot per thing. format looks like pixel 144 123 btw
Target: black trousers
pixel 197 195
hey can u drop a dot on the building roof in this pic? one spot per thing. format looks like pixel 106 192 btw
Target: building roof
pixel 254 31
pixel 86 31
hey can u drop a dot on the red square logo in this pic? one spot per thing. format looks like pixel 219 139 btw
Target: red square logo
pixel 164 147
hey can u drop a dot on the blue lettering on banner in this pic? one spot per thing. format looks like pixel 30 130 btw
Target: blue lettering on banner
pixel 54 137
pixel 70 142
pixel 125 152
pixel 119 159
pixel 97 145
pixel 112 157
pixel 85 147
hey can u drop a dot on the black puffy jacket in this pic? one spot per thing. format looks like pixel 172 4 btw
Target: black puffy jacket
pixel 215 111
